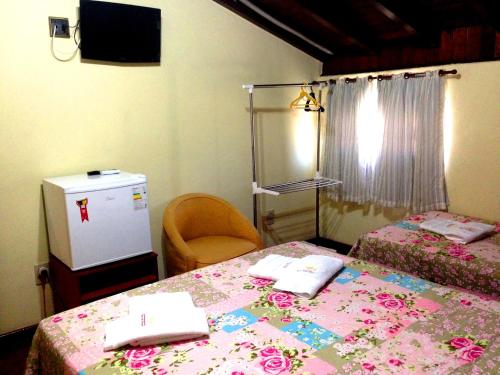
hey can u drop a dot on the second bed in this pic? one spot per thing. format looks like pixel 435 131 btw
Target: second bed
pixel 406 247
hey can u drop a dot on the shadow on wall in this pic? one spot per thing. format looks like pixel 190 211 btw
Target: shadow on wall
pixel 286 226
pixel 45 295
pixel 347 219
pixel 165 246
pixel 272 126
pixel 157 212
pixel 43 234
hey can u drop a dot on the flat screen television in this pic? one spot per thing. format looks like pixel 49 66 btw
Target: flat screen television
pixel 119 32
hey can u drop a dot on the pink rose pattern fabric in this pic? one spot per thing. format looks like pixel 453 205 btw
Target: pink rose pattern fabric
pixel 273 361
pixel 468 348
pixel 430 256
pixel 361 324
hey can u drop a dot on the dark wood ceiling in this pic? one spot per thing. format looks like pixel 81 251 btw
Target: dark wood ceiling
pixel 352 36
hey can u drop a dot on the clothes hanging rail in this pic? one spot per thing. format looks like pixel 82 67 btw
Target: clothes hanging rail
pixel 316 182
pixel 251 86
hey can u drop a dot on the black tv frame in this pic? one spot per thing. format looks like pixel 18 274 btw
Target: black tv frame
pixel 120 33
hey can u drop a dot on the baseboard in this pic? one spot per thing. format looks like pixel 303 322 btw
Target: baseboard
pixel 18 337
pixel 341 248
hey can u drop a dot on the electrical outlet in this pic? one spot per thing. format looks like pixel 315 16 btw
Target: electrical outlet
pixel 270 217
pixel 38 269
pixel 61 25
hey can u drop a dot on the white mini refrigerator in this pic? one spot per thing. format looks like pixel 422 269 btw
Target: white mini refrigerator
pixel 94 220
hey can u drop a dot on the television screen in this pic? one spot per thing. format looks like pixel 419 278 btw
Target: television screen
pixel 119 32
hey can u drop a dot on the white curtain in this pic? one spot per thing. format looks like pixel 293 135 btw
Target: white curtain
pixel 384 141
pixel 341 159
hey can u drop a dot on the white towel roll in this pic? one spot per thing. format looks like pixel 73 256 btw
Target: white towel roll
pixel 307 275
pixel 271 267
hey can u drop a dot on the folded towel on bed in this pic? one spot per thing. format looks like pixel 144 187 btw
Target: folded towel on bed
pixel 456 231
pixel 150 328
pixel 306 276
pixel 160 302
pixel 271 267
pixel 155 319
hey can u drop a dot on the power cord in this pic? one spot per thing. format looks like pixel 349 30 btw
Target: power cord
pixel 43 276
pixel 77 28
pixel 73 54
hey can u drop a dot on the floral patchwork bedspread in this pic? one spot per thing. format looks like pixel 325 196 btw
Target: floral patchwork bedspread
pixel 405 247
pixel 367 320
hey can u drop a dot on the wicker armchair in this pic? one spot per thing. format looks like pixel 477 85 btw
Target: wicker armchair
pixel 202 229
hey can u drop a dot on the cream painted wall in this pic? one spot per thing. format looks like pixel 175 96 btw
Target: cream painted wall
pixel 473 167
pixel 183 123
pixel 473 173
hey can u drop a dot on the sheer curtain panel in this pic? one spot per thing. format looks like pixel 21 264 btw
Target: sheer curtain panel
pixel 341 159
pixel 384 140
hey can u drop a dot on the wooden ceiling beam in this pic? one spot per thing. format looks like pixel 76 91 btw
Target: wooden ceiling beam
pixel 274 29
pixel 378 35
pixel 341 16
pixel 487 10
pixel 332 22
pixel 387 8
pixel 414 17
pixel 461 45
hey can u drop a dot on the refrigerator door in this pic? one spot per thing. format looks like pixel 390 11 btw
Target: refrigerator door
pixel 108 225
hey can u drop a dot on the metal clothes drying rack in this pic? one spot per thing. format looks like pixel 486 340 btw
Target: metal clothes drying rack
pixel 316 182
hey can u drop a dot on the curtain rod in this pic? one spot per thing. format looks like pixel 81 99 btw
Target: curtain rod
pixel 406 75
pixel 380 77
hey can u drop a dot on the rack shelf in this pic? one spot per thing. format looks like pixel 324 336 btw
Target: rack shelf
pixel 291 187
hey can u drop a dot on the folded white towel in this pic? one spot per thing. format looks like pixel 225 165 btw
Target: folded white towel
pixel 149 323
pixel 307 275
pixel 271 267
pixel 155 328
pixel 456 231
pixel 160 301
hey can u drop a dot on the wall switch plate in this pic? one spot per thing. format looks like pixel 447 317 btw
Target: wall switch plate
pixel 61 25
pixel 38 268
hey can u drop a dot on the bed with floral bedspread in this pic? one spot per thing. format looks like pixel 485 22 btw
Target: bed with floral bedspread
pixel 367 320
pixel 405 247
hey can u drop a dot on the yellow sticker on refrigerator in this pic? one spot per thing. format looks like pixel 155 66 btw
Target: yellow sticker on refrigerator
pixel 139 197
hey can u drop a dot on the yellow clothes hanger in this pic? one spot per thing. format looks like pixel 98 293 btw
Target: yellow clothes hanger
pixel 305 101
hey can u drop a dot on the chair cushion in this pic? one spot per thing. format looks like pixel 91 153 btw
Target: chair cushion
pixel 216 249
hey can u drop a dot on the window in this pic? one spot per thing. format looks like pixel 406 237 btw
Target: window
pixel 384 141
